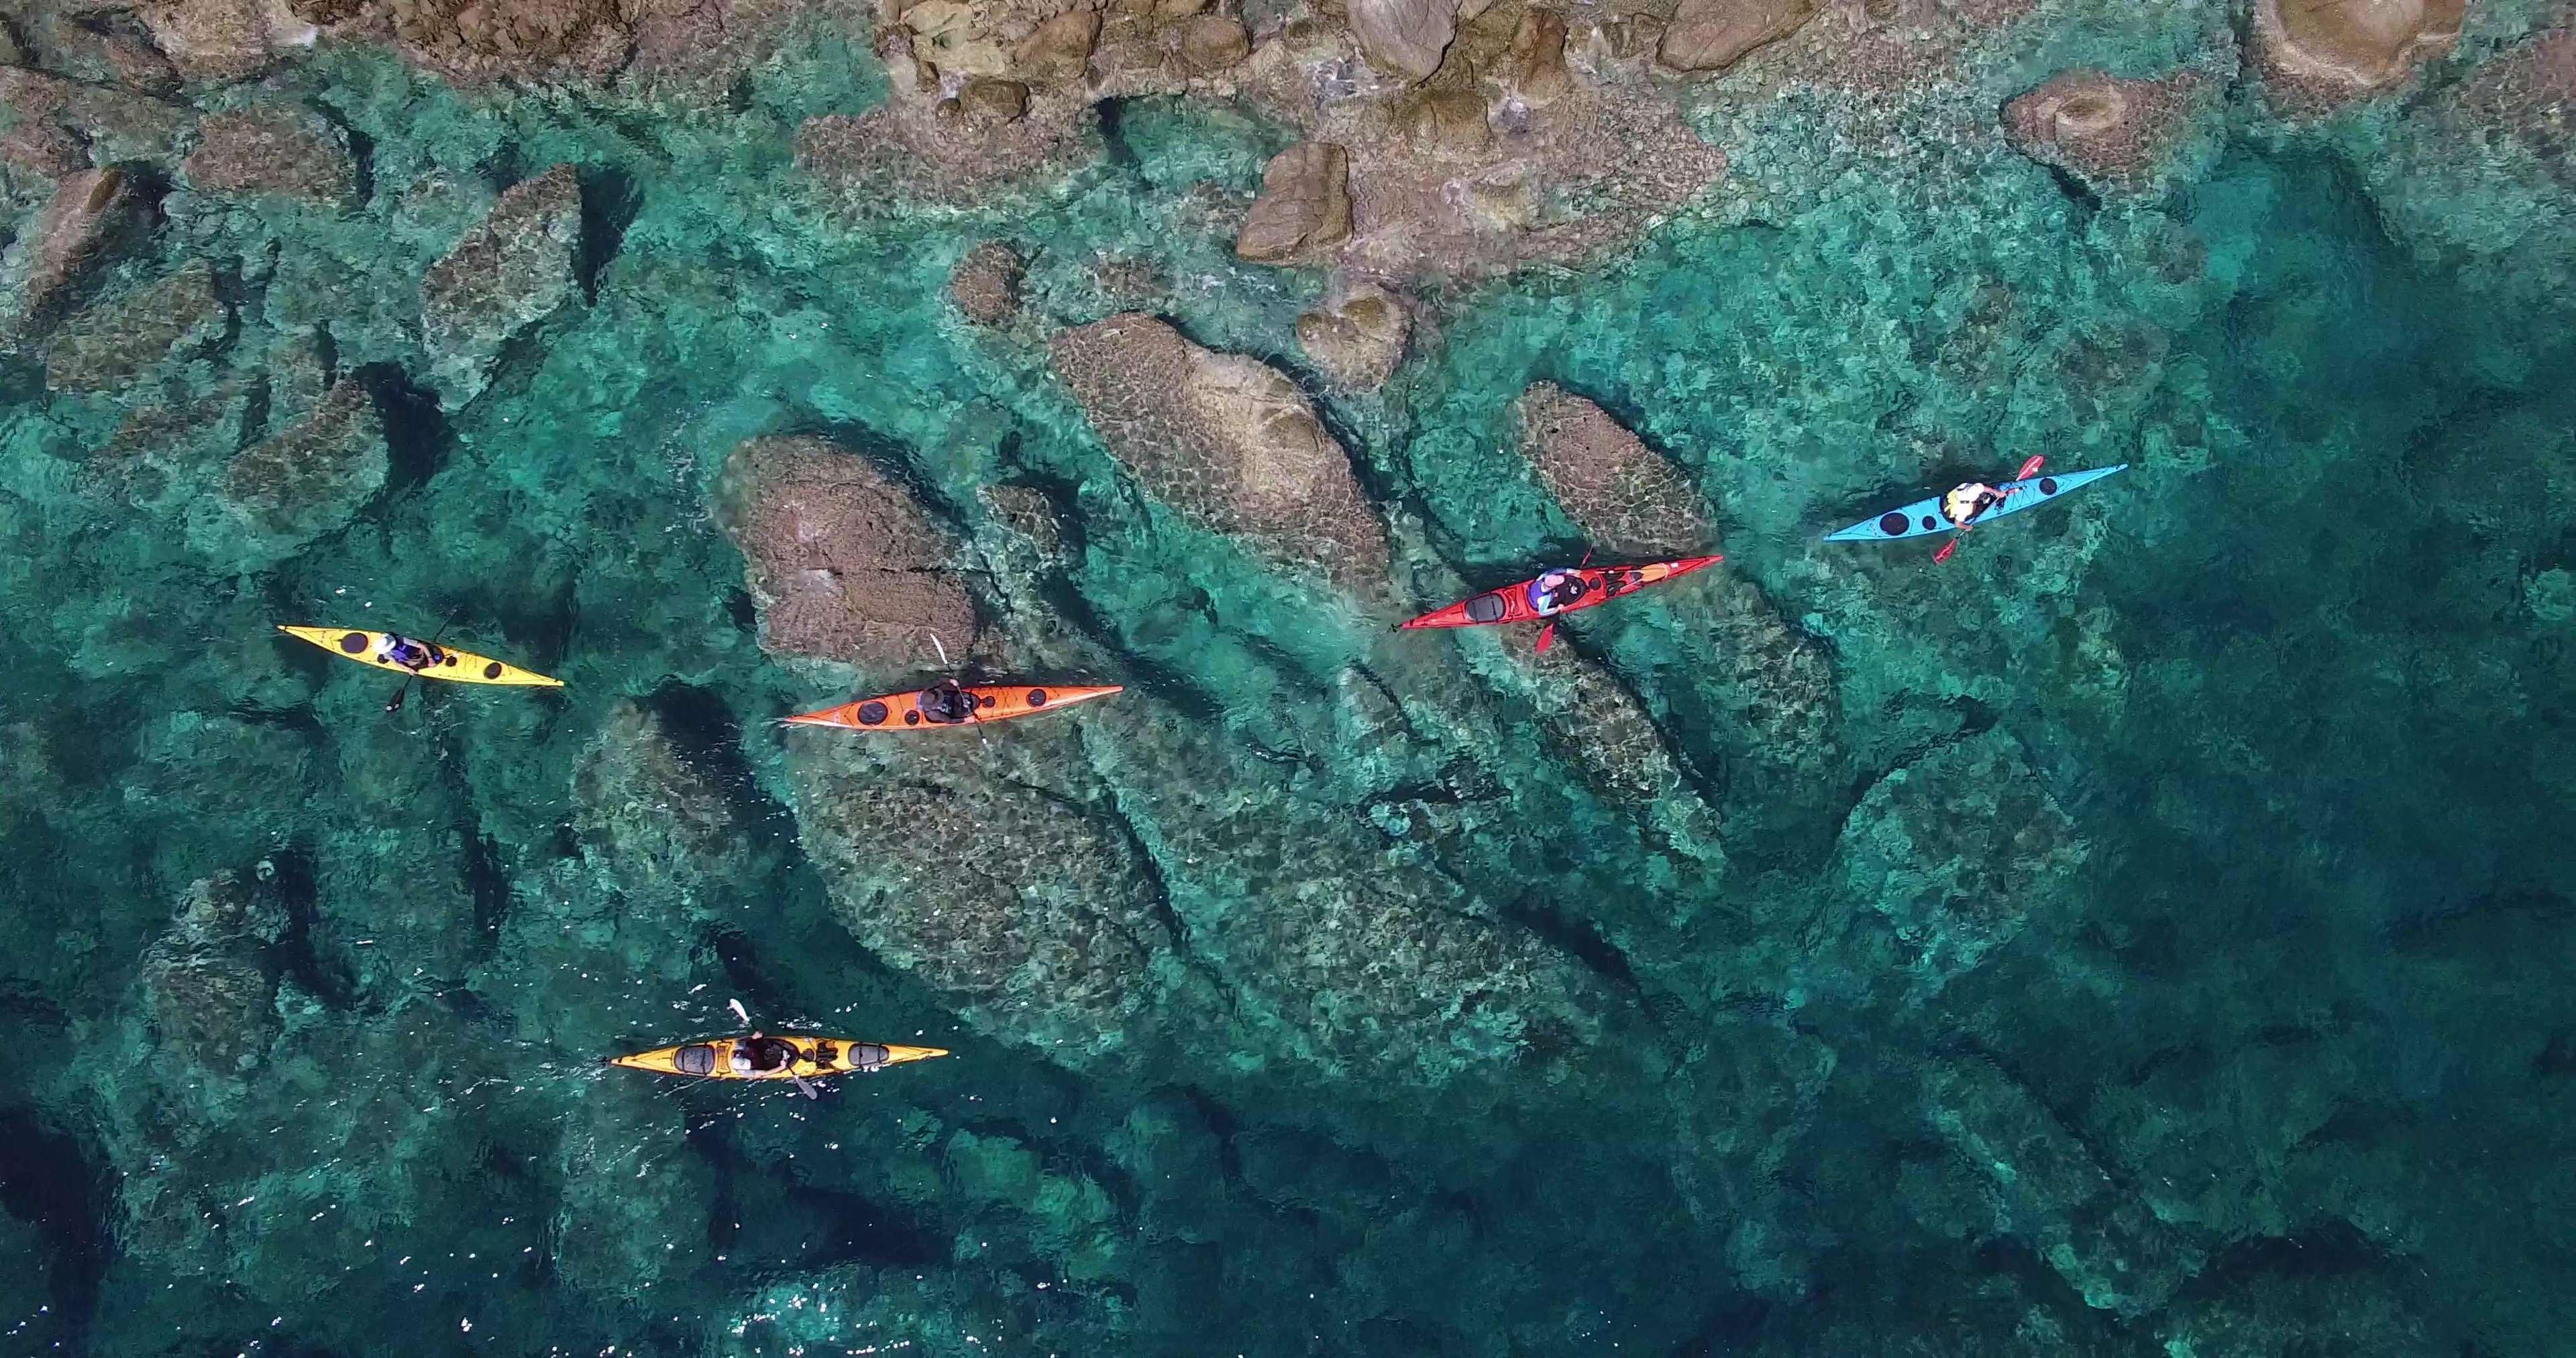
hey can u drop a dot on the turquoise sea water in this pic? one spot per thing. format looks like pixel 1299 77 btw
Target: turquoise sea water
pixel 2146 933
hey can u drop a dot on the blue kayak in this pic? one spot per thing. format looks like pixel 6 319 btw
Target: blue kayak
pixel 1923 518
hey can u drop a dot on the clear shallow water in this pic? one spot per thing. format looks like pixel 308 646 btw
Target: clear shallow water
pixel 2241 1028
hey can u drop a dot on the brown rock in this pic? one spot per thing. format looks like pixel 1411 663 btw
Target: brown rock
pixel 1209 43
pixel 1711 35
pixel 1534 67
pixel 841 560
pixel 1059 52
pixel 2322 52
pixel 2102 128
pixel 993 101
pixel 478 42
pixel 1358 343
pixel 985 285
pixel 1304 207
pixel 45 268
pixel 1623 494
pixel 1447 122
pixel 507 274
pixel 140 67
pixel 116 341
pixel 281 150
pixel 1227 440
pixel 214 42
pixel 1404 37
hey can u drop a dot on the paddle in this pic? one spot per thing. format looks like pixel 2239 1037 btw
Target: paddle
pixel 1547 634
pixel 803 1085
pixel 2028 470
pixel 404 688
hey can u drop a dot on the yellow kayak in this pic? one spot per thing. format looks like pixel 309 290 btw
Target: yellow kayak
pixel 464 667
pixel 774 1058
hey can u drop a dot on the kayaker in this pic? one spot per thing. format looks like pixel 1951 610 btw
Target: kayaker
pixel 411 655
pixel 946 702
pixel 1962 504
pixel 757 1053
pixel 1557 590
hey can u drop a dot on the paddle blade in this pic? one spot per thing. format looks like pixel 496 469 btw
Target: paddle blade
pixel 1944 554
pixel 1546 638
pixel 2030 469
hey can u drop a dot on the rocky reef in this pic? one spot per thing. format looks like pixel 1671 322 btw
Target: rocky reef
pixel 511 272
pixel 1626 497
pixel 2137 933
pixel 844 563
pixel 1227 440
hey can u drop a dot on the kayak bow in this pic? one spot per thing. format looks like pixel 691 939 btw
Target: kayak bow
pixel 1923 518
pixel 902 711
pixel 1512 604
pixel 815 1056
pixel 463 667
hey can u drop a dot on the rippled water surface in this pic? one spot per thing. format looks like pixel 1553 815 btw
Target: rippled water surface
pixel 2145 933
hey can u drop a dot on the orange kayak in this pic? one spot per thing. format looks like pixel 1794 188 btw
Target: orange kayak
pixel 902 711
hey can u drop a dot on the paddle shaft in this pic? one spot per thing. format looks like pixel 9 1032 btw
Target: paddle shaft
pixel 1547 634
pixel 403 688
pixel 2028 470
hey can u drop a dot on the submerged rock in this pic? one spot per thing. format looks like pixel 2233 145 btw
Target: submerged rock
pixel 48 265
pixel 123 337
pixel 63 126
pixel 1304 207
pixel 2321 52
pixel 844 564
pixel 647 814
pixel 620 1204
pixel 1228 441
pixel 985 285
pixel 1711 35
pixel 305 482
pixel 209 982
pixel 1957 849
pixel 1358 342
pixel 509 273
pixel 2105 130
pixel 1626 497
pixel 1046 934
pixel 1591 721
pixel 274 150
pixel 2044 1188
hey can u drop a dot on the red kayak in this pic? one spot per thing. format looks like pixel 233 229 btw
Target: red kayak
pixel 1601 584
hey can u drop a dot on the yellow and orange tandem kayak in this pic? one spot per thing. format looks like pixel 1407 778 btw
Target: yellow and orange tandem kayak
pixel 993 702
pixel 463 667
pixel 774 1058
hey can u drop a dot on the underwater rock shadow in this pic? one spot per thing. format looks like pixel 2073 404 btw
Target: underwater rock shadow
pixel 53 1181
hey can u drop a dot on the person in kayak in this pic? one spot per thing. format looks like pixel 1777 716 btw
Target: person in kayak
pixel 411 655
pixel 1963 504
pixel 755 1054
pixel 1555 591
pixel 946 703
